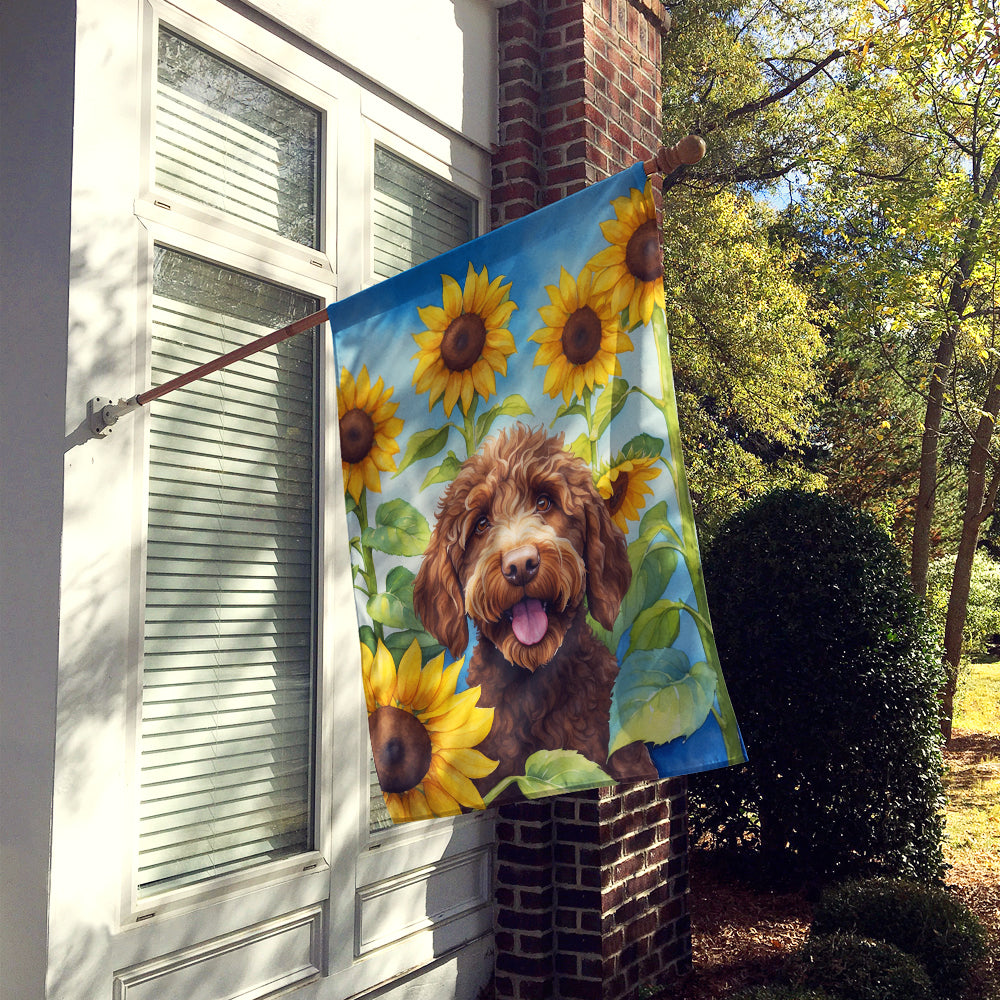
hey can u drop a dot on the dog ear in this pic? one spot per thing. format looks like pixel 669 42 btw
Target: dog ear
pixel 437 597
pixel 608 570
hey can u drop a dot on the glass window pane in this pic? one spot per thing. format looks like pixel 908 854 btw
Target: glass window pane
pixel 416 215
pixel 231 141
pixel 228 679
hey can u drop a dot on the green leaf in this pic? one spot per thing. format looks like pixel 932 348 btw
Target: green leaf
pixel 367 636
pixel 424 444
pixel 658 698
pixel 389 610
pixel 657 627
pixel 548 772
pixel 643 446
pixel 512 406
pixel 400 582
pixel 609 404
pixel 568 409
pixel 581 447
pixel 443 473
pixel 649 581
pixel 401 530
pixel 399 642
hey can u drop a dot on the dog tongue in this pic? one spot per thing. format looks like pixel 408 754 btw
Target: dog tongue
pixel 529 621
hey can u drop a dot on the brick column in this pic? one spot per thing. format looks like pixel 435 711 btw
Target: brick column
pixel 591 890
pixel 579 96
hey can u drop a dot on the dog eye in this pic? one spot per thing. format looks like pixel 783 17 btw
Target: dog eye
pixel 482 524
pixel 544 503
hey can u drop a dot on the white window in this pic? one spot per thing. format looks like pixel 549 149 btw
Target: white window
pixel 275 184
pixel 229 651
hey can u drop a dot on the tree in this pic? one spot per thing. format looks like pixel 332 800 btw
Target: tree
pixel 747 353
pixel 918 211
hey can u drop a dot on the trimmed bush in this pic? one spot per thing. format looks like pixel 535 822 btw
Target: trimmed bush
pixel 925 922
pixel 856 968
pixel 782 993
pixel 834 672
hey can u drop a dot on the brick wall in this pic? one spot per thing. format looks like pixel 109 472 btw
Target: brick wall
pixel 591 890
pixel 579 96
pixel 591 893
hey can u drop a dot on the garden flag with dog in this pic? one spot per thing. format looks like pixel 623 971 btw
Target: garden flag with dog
pixel 532 613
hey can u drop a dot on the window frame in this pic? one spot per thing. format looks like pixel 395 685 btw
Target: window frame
pixel 177 223
pixel 348 863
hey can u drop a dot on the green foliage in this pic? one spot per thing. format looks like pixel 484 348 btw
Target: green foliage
pixel 782 992
pixel 856 968
pixel 983 611
pixel 833 673
pixel 748 359
pixel 926 922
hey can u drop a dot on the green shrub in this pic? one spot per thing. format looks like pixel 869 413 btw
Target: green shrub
pixel 782 993
pixel 833 672
pixel 924 921
pixel 856 968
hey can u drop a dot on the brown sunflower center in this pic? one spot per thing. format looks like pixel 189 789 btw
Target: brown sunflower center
pixel 618 490
pixel 642 253
pixel 401 748
pixel 357 435
pixel 581 336
pixel 463 341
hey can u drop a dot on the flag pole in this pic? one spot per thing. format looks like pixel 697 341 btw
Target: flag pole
pixel 103 414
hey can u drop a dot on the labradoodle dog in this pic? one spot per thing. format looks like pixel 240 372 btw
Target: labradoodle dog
pixel 524 545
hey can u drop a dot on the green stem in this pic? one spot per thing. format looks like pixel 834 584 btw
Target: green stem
pixel 469 428
pixel 368 567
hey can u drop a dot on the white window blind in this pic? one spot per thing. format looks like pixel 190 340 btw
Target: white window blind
pixel 230 141
pixel 416 217
pixel 228 659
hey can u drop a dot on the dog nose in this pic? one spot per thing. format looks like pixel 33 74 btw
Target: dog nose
pixel 520 565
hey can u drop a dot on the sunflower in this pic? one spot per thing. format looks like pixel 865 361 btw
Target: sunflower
pixel 630 270
pixel 466 342
pixel 368 432
pixel 624 488
pixel 423 734
pixel 582 337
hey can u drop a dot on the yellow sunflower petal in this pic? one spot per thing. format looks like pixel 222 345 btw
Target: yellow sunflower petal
pixel 370 474
pixel 434 318
pixel 484 378
pixel 367 658
pixel 383 675
pixel 468 390
pixel 472 763
pixel 567 291
pixel 430 682
pixel 472 733
pixel 454 783
pixel 452 391
pixel 408 674
pixel 429 340
pixel 362 387
pixel 451 294
pixel 438 800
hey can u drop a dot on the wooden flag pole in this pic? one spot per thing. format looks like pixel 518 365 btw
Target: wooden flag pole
pixel 103 413
pixel 687 152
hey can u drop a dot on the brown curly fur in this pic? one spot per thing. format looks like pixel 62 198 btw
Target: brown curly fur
pixel 523 519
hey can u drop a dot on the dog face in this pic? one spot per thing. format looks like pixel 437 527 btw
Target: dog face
pixel 522 537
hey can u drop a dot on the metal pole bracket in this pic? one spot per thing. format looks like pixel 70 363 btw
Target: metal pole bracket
pixel 103 413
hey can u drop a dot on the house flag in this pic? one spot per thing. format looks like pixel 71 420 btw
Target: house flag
pixel 532 614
